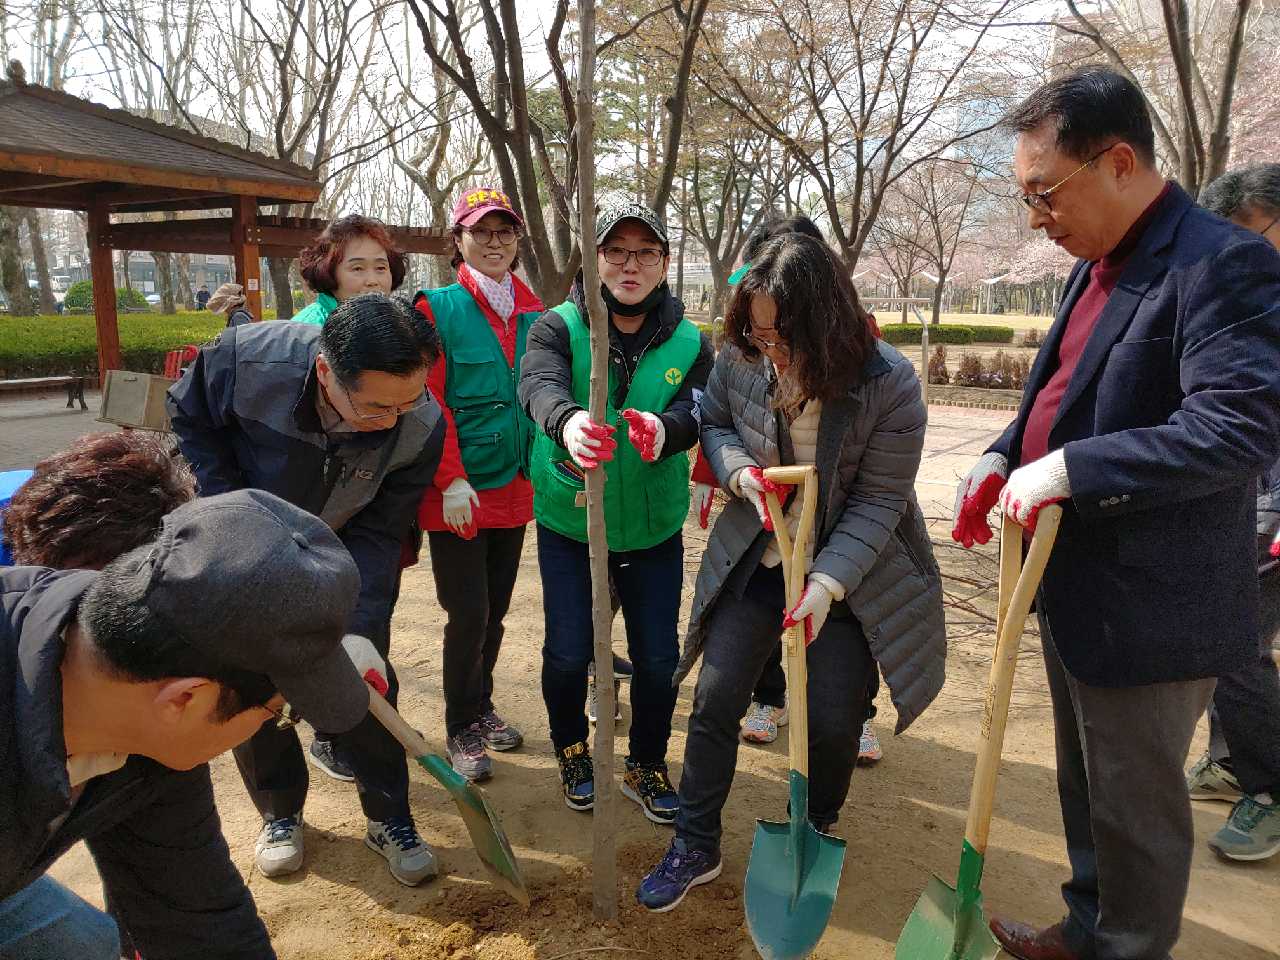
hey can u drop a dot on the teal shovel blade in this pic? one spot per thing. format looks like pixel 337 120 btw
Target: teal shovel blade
pixel 947 922
pixel 792 879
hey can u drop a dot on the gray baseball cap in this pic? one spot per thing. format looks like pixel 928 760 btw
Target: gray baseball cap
pixel 252 582
pixel 613 211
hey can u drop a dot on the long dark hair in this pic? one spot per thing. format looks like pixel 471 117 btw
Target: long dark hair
pixel 819 317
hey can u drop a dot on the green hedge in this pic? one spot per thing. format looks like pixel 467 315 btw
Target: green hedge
pixel 909 333
pixel 79 295
pixel 984 333
pixel 52 345
pixel 129 297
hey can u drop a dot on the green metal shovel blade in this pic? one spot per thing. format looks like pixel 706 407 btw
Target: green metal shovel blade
pixel 487 835
pixel 792 879
pixel 948 922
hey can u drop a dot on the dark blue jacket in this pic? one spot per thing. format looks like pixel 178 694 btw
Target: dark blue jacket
pixel 154 832
pixel 1170 416
pixel 245 416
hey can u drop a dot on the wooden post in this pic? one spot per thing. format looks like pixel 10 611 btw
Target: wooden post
pixel 103 274
pixel 244 241
pixel 604 867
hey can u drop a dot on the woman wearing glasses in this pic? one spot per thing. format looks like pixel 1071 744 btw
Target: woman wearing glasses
pixel 658 367
pixel 353 255
pixel 804 381
pixel 480 502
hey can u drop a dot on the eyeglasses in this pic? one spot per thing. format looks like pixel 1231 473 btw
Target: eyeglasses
pixel 423 399
pixel 645 257
pixel 484 236
pixel 762 343
pixel 1267 229
pixel 1040 201
pixel 285 716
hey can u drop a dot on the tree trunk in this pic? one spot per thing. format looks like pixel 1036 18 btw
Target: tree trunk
pixel 279 268
pixel 183 293
pixel 719 300
pixel 937 300
pixel 48 303
pixel 126 281
pixel 164 281
pixel 11 272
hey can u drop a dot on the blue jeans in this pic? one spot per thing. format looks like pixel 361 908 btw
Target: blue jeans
pixel 46 920
pixel 648 583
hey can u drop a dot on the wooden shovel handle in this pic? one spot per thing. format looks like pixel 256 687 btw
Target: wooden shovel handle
pixel 795 554
pixel 413 744
pixel 1017 591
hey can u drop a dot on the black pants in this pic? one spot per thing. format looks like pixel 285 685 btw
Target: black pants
pixel 1244 721
pixel 648 584
pixel 474 581
pixel 771 688
pixel 275 772
pixel 741 634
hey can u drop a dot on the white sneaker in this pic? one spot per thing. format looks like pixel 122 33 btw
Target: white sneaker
pixel 762 721
pixel 592 700
pixel 278 851
pixel 410 859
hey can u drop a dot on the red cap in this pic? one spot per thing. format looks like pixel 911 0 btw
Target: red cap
pixel 474 204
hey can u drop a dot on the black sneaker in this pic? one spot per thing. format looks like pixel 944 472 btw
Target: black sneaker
pixel 576 776
pixel 323 756
pixel 648 785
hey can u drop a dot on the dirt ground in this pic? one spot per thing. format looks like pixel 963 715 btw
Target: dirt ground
pixel 904 820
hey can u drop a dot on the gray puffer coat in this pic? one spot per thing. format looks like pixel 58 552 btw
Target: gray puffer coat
pixel 870 535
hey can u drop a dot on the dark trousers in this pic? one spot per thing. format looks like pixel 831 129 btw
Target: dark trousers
pixel 741 634
pixel 474 581
pixel 1125 809
pixel 275 772
pixel 1244 722
pixel 648 583
pixel 771 688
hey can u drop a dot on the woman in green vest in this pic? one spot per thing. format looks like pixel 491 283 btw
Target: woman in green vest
pixel 658 368
pixel 476 510
pixel 353 255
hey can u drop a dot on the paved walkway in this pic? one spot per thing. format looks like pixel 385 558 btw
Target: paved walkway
pixel 32 428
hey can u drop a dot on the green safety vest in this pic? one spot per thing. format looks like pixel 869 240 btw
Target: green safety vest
pixel 494 434
pixel 644 503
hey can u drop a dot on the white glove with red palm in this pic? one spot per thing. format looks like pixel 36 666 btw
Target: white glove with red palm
pixel 459 497
pixel 752 486
pixel 1034 486
pixel 704 494
pixel 368 662
pixel 590 444
pixel 820 591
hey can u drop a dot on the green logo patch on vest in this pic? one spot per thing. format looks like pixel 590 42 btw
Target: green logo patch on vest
pixel 674 376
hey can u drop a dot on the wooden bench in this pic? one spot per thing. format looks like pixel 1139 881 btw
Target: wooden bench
pixel 74 385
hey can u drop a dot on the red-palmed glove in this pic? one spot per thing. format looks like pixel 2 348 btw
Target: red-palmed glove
pixel 753 486
pixel 457 503
pixel 703 496
pixel 646 433
pixel 1274 550
pixel 815 604
pixel 976 495
pixel 590 444
pixel 368 662
pixel 1034 486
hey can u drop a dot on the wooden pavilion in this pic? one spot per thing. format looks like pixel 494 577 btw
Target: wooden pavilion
pixel 61 152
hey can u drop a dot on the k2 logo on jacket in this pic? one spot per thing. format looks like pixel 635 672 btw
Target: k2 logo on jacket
pixel 364 474
pixel 674 376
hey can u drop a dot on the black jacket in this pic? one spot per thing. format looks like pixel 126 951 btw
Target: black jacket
pixel 546 374
pixel 245 416
pixel 1171 414
pixel 154 832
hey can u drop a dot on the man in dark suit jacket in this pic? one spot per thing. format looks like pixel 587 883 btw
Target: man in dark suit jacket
pixel 1150 411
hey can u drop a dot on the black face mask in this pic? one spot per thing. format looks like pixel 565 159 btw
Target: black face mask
pixel 641 309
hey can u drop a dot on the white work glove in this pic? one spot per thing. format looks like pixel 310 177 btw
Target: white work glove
pixel 704 494
pixel 459 498
pixel 815 603
pixel 368 662
pixel 976 495
pixel 1036 485
pixel 590 444
pixel 646 433
pixel 752 485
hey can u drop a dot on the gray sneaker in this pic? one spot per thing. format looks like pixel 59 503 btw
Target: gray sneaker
pixel 1210 780
pixel 410 859
pixel 1252 832
pixel 497 733
pixel 592 699
pixel 468 756
pixel 278 851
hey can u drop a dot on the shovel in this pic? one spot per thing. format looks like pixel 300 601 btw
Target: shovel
pixel 794 870
pixel 482 822
pixel 948 923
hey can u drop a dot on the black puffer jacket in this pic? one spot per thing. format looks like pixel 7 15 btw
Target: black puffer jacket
pixel 546 374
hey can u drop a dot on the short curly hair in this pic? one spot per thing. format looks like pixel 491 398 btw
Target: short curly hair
pixel 319 262
pixel 96 500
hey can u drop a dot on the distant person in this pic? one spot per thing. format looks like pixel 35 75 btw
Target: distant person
pixel 229 301
pixel 352 255
pixel 202 297
pixel 1242 764
pixel 334 419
